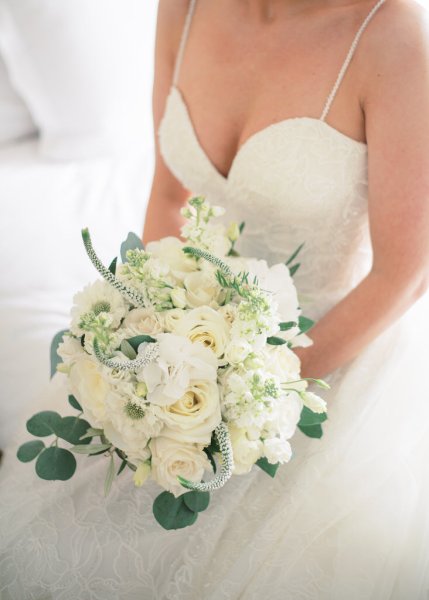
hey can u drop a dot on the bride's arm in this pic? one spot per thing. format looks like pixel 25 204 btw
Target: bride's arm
pixel 397 126
pixel 167 194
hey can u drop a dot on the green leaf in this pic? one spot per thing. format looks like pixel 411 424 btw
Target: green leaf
pixel 211 459
pixel 172 512
pixel 285 326
pixel 294 269
pixel 55 357
pixel 267 467
pixel 55 463
pixel 90 448
pixel 72 429
pixel 91 432
pixel 122 467
pixel 140 339
pixel 197 501
pixel 294 255
pixel 128 350
pixel 276 341
pixel 313 431
pixel 305 324
pixel 112 266
pixel 309 418
pixel 110 476
pixel 74 403
pixel 43 423
pixel 132 242
pixel 30 450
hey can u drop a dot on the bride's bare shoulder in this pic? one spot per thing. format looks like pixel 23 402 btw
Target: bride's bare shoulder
pixel 170 21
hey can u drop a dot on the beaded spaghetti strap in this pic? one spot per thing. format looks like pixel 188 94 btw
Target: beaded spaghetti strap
pixel 183 39
pixel 348 60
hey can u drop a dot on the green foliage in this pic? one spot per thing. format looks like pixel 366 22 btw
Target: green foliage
pixel 305 324
pixel 44 423
pixel 313 431
pixel 128 350
pixel 294 255
pixel 132 242
pixel 110 476
pixel 286 325
pixel 269 468
pixel 135 341
pixel 55 463
pixel 30 450
pixel 294 269
pixel 211 459
pixel 90 448
pixel 309 418
pixel 241 227
pixel 74 403
pixel 55 357
pixel 197 501
pixel 172 512
pixel 72 429
pixel 276 341
pixel 112 266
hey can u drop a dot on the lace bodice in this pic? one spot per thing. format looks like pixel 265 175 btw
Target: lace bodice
pixel 296 181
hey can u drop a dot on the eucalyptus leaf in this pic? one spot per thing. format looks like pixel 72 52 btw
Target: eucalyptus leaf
pixel 128 350
pixel 276 341
pixel 266 466
pixel 110 476
pixel 172 512
pixel 30 450
pixel 90 448
pixel 74 403
pixel 72 429
pixel 55 357
pixel 44 423
pixel 55 464
pixel 140 339
pixel 91 432
pixel 211 459
pixel 197 501
pixel 309 418
pixel 132 242
pixel 305 324
pixel 313 431
pixel 286 325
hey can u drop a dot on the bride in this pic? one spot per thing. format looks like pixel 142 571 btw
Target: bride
pixel 307 119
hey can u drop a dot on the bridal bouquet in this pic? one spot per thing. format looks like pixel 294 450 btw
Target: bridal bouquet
pixel 180 361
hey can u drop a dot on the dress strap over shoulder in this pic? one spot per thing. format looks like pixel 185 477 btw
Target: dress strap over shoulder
pixel 183 39
pixel 348 59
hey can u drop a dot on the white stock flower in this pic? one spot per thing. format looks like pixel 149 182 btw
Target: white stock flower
pixel 195 415
pixel 178 297
pixel 180 362
pixel 96 298
pixel 90 389
pixel 246 452
pixel 314 402
pixel 277 450
pixel 205 325
pixel 237 351
pixel 171 458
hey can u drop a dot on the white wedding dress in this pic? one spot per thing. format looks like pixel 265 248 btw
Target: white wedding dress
pixel 347 518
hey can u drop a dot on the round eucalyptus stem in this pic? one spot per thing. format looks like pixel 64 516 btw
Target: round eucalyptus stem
pixel 222 436
pixel 130 294
pixel 151 354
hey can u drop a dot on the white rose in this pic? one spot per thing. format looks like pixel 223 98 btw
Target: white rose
pixel 178 297
pixel 179 363
pixel 171 458
pixel 277 450
pixel 314 402
pixel 202 289
pixel 207 326
pixel 286 416
pixel 246 452
pixel 194 416
pixel 90 389
pixel 143 321
pixel 237 351
pixel 171 318
pixel 170 251
pixel 98 297
pixel 282 362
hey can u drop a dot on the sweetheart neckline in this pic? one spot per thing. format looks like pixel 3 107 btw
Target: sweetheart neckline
pixel 257 134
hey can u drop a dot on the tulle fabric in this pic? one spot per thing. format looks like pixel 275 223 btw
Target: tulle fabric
pixel 346 518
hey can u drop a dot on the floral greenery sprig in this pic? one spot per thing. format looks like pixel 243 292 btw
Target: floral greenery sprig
pixel 150 355
pixel 131 295
pixel 224 441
